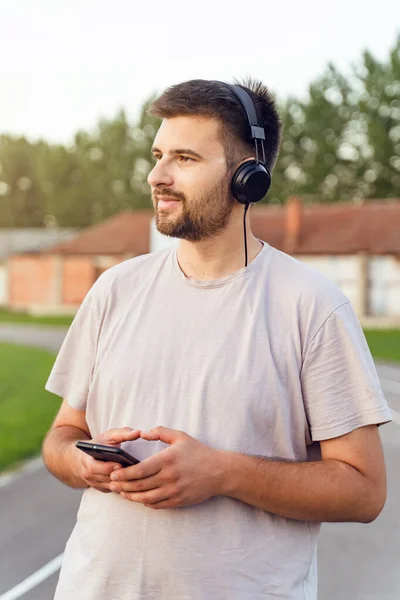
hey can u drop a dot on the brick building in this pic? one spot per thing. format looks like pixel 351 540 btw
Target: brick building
pixel 27 239
pixel 358 246
pixel 55 280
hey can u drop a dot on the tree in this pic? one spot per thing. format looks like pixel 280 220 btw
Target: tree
pixel 379 106
pixel 343 141
pixel 340 143
pixel 20 189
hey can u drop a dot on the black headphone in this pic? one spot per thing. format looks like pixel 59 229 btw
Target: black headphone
pixel 252 179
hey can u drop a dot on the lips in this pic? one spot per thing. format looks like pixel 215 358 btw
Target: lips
pixel 166 202
pixel 166 199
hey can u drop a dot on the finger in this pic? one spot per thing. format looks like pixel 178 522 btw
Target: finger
pixel 164 434
pixel 146 468
pixel 123 434
pixel 102 467
pixel 99 482
pixel 137 485
pixel 150 497
pixel 101 488
pixel 101 479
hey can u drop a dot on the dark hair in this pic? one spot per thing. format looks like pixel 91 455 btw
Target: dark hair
pixel 213 99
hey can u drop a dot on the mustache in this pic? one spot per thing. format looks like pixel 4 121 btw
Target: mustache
pixel 170 193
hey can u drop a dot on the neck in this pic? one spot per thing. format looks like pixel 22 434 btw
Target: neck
pixel 219 256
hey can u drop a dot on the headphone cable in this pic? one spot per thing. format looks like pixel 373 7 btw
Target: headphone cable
pixel 245 236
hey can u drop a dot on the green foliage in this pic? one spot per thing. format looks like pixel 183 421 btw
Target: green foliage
pixel 341 143
pixel 379 106
pixel 102 173
pixel 27 410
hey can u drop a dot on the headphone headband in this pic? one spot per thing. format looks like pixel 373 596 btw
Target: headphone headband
pixel 257 132
pixel 252 179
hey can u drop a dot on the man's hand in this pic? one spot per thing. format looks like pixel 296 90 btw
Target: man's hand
pixel 187 472
pixel 96 473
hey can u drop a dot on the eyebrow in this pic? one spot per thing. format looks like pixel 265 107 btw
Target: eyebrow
pixel 178 151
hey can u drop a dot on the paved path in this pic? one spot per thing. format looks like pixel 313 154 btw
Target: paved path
pixel 39 336
pixel 37 513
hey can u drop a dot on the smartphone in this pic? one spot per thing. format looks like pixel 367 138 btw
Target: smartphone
pixel 108 453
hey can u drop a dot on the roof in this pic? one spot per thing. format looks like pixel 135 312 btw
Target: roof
pixel 31 239
pixel 372 227
pixel 300 229
pixel 127 232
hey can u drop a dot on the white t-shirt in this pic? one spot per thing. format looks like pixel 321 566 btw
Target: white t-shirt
pixel 267 361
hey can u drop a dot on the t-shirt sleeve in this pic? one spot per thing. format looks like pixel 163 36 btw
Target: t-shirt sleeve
pixel 72 371
pixel 341 388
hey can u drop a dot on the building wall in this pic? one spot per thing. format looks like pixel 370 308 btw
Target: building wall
pixel 31 280
pixel 78 276
pixel 342 270
pixel 50 284
pixel 54 284
pixel 381 296
pixel 384 278
pixel 3 283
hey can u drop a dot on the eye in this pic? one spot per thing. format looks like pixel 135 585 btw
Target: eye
pixel 185 159
pixel 155 157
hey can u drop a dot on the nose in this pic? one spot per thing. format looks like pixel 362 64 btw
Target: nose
pixel 160 175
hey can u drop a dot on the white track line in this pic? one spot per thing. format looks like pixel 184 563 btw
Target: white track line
pixel 28 466
pixel 33 580
pixel 393 387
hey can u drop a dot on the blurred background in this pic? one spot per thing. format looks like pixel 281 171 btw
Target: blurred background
pixel 75 81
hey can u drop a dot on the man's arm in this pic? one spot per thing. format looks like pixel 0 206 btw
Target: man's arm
pixel 59 452
pixel 348 484
pixel 69 464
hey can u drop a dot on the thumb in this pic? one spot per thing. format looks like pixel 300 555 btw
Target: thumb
pixel 163 434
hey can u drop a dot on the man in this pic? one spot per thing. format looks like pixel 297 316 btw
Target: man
pixel 247 392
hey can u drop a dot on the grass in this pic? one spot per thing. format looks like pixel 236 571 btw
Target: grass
pixel 384 343
pixel 8 316
pixel 26 409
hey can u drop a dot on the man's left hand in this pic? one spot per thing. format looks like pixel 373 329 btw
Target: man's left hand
pixel 185 473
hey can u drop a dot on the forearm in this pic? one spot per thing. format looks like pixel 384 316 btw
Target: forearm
pixel 61 456
pixel 326 490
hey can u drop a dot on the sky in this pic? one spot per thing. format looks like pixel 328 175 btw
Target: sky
pixel 64 64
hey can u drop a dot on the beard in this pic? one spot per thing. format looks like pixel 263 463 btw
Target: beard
pixel 202 218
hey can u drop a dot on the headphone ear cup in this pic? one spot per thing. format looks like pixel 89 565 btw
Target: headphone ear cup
pixel 251 182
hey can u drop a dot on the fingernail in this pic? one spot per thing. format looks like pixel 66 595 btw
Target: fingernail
pixel 113 488
pixel 114 477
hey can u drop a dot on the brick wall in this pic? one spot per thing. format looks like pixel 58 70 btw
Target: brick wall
pixel 31 280
pixel 78 276
pixel 51 283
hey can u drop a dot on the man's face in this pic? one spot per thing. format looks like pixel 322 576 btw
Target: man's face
pixel 190 184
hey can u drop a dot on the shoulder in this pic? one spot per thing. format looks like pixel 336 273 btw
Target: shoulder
pixel 303 292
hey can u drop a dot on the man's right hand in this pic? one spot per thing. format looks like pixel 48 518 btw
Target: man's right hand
pixel 96 473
